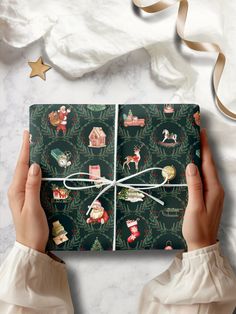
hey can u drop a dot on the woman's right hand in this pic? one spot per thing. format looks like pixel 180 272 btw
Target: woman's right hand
pixel 205 202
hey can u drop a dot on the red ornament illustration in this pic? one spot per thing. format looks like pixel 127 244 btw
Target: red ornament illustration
pixel 133 227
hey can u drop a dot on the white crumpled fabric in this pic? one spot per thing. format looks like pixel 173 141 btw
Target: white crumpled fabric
pixel 81 36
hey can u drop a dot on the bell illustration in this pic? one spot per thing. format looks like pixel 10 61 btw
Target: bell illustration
pixel 63 159
pixel 58 232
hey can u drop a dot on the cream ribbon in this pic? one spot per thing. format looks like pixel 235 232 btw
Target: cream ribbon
pixel 111 183
pixel 100 181
pixel 198 46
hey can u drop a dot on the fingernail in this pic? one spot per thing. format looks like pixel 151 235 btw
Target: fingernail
pixel 191 170
pixel 34 169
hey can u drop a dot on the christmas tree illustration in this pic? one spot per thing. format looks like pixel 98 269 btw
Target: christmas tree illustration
pixel 96 246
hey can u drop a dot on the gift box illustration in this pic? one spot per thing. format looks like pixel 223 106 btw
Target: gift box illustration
pixel 113 176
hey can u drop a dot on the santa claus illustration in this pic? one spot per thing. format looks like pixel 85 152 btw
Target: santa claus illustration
pixel 62 113
pixel 98 213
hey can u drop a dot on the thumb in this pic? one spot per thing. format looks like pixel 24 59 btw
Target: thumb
pixel 195 192
pixel 33 184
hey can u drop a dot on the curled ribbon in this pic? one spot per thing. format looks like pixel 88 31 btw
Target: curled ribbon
pixel 100 181
pixel 110 183
pixel 198 46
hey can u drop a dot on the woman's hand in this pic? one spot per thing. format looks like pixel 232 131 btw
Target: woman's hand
pixel 24 200
pixel 205 203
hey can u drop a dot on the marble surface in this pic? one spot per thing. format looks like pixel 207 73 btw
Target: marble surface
pixel 106 282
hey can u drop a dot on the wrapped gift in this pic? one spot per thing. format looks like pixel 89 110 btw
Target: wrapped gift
pixel 114 175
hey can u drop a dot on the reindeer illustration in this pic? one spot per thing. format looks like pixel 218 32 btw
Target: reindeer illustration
pixel 135 158
pixel 169 136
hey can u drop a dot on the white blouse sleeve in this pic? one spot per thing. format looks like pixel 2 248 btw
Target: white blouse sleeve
pixel 33 282
pixel 197 282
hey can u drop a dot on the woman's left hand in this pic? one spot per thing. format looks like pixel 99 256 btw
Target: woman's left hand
pixel 24 200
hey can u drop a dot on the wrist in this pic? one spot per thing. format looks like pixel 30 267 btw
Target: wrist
pixel 37 247
pixel 188 255
pixel 46 256
pixel 196 246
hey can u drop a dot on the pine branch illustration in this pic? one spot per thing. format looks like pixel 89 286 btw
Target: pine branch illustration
pixel 177 226
pixel 158 225
pixel 46 129
pixel 145 131
pixel 46 167
pixel 182 111
pixel 181 150
pixel 73 243
pixel 153 109
pixel 125 208
pixel 109 112
pixel 191 130
pixel 36 151
pixel 36 112
pixel 84 149
pixel 121 244
pixel 157 150
pixel 147 242
pixel 84 112
pixel 108 150
pixel 81 223
pixel 109 225
pixel 124 134
pixel 73 131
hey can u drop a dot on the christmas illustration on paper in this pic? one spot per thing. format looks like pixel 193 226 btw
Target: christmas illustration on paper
pixel 97 214
pixel 58 119
pixel 59 233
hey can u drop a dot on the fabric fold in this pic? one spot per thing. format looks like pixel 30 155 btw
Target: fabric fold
pixel 200 280
pixel 33 281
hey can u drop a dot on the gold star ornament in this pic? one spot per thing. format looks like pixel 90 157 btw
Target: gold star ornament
pixel 39 68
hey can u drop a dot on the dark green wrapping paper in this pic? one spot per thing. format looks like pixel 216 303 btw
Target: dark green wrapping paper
pixel 66 139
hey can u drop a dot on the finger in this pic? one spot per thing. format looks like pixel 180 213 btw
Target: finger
pixel 213 191
pixel 209 172
pixel 22 166
pixel 195 193
pixel 32 187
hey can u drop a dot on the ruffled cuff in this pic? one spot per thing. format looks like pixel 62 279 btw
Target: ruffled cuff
pixel 34 280
pixel 48 256
pixel 197 277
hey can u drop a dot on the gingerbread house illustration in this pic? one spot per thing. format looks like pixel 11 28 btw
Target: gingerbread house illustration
pixel 97 138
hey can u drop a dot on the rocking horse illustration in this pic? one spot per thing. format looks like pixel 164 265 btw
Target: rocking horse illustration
pixel 135 158
pixel 169 136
